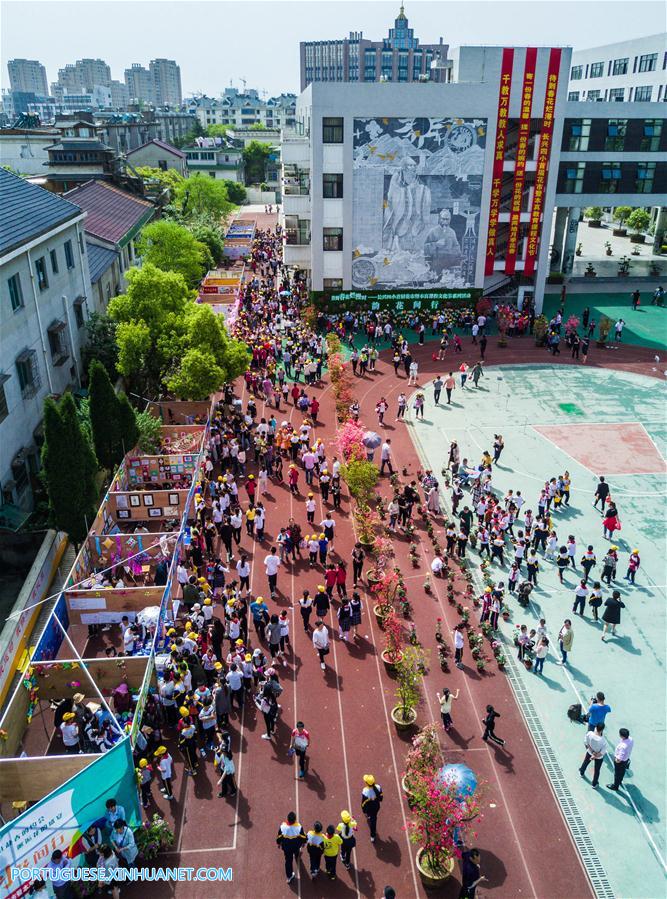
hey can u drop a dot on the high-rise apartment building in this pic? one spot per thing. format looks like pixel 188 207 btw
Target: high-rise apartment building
pixel 399 57
pixel 167 82
pixel 28 75
pixel 139 83
pixel 81 77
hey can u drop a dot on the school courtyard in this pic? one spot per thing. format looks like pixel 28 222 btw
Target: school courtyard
pixel 591 422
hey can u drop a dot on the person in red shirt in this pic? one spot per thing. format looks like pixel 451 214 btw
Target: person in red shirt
pixel 251 488
pixel 330 578
pixel 299 746
pixel 314 409
pixel 341 576
pixel 295 393
pixel 293 478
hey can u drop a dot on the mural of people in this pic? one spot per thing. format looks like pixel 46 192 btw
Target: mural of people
pixel 417 187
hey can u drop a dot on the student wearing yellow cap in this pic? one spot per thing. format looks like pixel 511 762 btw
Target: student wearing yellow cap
pixel 165 765
pixel 371 797
pixel 346 830
pixel 69 731
pixel 144 776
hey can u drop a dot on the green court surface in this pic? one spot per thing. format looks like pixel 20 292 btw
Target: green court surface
pixel 646 326
pixel 591 422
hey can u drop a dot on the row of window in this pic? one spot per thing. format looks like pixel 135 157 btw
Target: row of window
pixel 608 178
pixel 647 62
pixel 613 135
pixel 14 286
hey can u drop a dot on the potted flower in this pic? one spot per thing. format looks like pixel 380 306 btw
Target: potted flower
pixel 423 760
pixel 480 664
pixel 414 558
pixel 638 222
pixel 386 592
pixel 621 215
pixel 603 330
pixel 594 216
pixel 408 676
pixel 501 661
pixel 154 836
pixel 506 613
pixel 393 641
pixel 427 584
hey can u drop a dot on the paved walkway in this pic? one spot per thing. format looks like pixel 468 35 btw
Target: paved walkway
pixel 524 403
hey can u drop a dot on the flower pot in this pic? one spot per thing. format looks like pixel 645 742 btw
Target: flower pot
pixel 594 223
pixel 401 722
pixel 620 232
pixel 528 663
pixel 380 615
pixel 433 879
pixel 390 664
pixel 637 238
pixel 372 578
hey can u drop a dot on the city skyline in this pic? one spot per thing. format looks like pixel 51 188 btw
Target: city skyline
pixel 457 23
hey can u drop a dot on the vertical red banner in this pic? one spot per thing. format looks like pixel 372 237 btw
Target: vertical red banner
pixel 520 159
pixel 499 156
pixel 543 155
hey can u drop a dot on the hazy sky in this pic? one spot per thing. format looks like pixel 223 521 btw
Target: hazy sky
pixel 222 40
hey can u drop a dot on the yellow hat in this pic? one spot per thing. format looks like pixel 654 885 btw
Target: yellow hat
pixel 260 599
pixel 218 666
pixel 188 625
pixel 369 780
pixel 219 477
pixel 183 712
pixel 69 716
pixel 635 550
pixel 202 580
pixel 171 631
pixel 239 642
pixel 143 763
pixel 251 477
pixel 311 494
pixel 322 537
pixel 207 601
pixel 487 590
pixel 79 697
pixel 345 816
pixel 248 657
pixel 161 750
pixel 320 587
pixel 173 647
pixel 614 548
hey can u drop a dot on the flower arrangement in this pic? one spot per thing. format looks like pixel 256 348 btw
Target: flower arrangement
pixel 366 521
pixel 409 672
pixel 393 639
pixel 501 661
pixel 361 478
pixel 423 760
pixel 349 442
pixel 480 664
pixel 409 529
pixel 465 614
pixel 438 630
pixel 153 837
pixel 386 592
pixel 414 558
pixel 427 584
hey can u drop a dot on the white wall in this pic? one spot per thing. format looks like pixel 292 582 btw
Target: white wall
pixel 632 50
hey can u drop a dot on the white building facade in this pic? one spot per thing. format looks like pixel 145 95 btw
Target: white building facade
pixel 627 71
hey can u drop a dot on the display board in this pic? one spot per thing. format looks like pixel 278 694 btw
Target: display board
pixel 417 192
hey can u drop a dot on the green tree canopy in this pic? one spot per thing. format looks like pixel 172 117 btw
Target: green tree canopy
pixel 211 236
pixel 69 469
pixel 195 131
pixel 254 160
pixel 217 130
pixel 112 419
pixel 621 213
pixel 169 178
pixel 173 248
pixel 167 340
pixel 101 343
pixel 236 192
pixel 198 195
pixel 639 220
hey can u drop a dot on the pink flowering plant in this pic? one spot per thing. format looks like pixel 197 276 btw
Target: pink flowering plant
pixel 349 441
pixel 423 760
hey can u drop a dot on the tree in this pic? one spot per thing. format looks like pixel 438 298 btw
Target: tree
pixel 255 156
pixel 195 131
pixel 149 319
pixel 166 178
pixel 209 357
pixel 103 408
pixel 69 469
pixel 100 343
pixel 622 213
pixel 217 130
pixel 639 221
pixel 211 237
pixel 128 427
pixel 150 431
pixel 173 248
pixel 236 192
pixel 594 213
pixel 198 195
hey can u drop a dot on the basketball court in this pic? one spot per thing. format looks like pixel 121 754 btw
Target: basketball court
pixel 590 422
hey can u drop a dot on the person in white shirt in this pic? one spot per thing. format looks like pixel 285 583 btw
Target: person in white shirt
pixel 596 747
pixel 458 645
pixel 580 595
pixel 622 755
pixel 272 564
pixel 414 373
pixel 321 641
pixel 385 457
pixel 310 509
pixel 437 565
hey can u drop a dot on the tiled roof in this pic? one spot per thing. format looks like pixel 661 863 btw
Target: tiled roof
pixel 99 260
pixel 28 211
pixel 112 213
pixel 162 145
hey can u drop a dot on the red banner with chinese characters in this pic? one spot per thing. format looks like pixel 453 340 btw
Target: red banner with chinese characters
pixel 520 160
pixel 543 154
pixel 499 156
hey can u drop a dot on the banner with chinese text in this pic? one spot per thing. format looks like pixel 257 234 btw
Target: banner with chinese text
pixel 499 156
pixel 520 159
pixel 543 155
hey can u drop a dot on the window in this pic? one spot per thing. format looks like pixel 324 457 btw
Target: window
pixel 620 66
pixel 576 73
pixel 643 94
pixel 616 94
pixel 573 95
pixel 332 186
pixel 597 70
pixel 615 139
pixel 593 95
pixel 78 311
pixel 15 292
pixel 297 231
pixel 333 238
pixel 27 370
pixel 54 261
pixel 69 254
pixel 57 341
pixel 580 131
pixel 645 175
pixel 574 178
pixel 648 62
pixel 332 283
pixel 332 130
pixel 650 142
pixel 40 271
pixel 611 175
pixel 4 408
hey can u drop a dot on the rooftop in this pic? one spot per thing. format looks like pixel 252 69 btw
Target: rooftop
pixel 99 260
pixel 163 145
pixel 29 211
pixel 112 213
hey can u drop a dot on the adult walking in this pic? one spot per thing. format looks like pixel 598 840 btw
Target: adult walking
pixel 471 875
pixel 601 494
pixel 489 722
pixel 446 707
pixel 622 755
pixel 596 747
pixel 565 640
pixel 450 384
pixel 358 556
pixel 290 839
pixel 612 613
pixel 321 642
pixel 299 744
pixel 437 389
pixel 371 799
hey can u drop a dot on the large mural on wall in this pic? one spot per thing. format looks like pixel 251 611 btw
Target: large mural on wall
pixel 417 191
